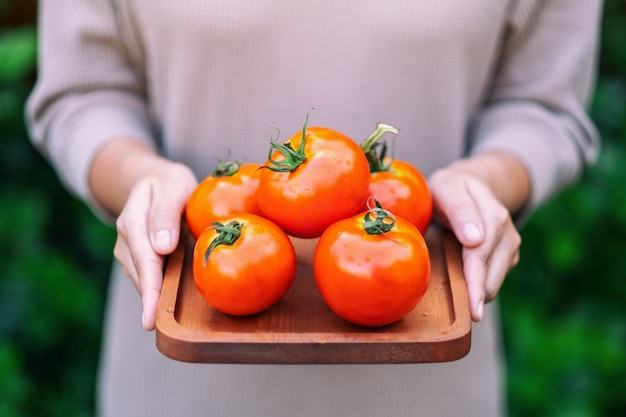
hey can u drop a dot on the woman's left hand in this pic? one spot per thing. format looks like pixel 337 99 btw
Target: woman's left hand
pixel 473 198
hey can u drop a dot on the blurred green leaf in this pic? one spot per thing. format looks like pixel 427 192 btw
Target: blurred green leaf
pixel 18 52
pixel 17 387
pixel 564 250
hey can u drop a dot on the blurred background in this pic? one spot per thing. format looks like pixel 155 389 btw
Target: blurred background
pixel 563 306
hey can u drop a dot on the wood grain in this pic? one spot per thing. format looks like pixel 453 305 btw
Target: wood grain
pixel 302 329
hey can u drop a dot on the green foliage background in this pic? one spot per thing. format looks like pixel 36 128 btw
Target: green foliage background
pixel 564 305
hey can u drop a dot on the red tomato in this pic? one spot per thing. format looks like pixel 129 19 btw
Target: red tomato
pixel 243 265
pixel 372 271
pixel 312 180
pixel 229 189
pixel 404 191
pixel 397 185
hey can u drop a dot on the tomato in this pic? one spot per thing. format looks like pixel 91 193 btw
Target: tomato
pixel 404 191
pixel 244 264
pixel 312 180
pixel 397 185
pixel 372 271
pixel 229 189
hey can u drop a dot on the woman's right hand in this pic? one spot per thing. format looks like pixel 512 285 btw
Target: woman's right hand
pixel 150 193
pixel 149 228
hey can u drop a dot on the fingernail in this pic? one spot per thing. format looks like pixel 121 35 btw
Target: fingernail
pixel 163 240
pixel 471 232
pixel 143 319
pixel 480 310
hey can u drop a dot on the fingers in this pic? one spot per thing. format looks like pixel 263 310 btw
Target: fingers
pixel 486 266
pixel 148 228
pixel 146 274
pixel 136 254
pixel 486 231
pixel 477 257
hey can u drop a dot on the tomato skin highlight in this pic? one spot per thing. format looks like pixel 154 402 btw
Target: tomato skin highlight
pixel 219 196
pixel 371 280
pixel 332 184
pixel 250 275
pixel 404 191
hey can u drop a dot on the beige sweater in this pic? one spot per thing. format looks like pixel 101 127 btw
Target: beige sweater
pixel 201 80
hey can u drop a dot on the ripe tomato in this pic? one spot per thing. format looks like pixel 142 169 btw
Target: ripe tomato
pixel 397 185
pixel 312 180
pixel 372 271
pixel 243 265
pixel 229 189
pixel 404 191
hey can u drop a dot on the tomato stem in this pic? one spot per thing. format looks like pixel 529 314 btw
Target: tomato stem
pixel 383 223
pixel 293 158
pixel 226 235
pixel 226 169
pixel 368 146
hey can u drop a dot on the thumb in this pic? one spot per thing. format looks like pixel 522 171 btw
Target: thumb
pixel 164 226
pixel 166 209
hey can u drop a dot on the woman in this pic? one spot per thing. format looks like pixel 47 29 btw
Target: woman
pixel 137 100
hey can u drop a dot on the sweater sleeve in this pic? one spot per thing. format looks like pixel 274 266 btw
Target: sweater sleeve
pixel 537 107
pixel 87 91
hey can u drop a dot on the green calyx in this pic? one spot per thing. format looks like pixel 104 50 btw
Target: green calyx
pixel 226 235
pixel 382 223
pixel 293 158
pixel 368 146
pixel 226 169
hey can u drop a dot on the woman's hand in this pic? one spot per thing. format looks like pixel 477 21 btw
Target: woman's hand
pixel 149 193
pixel 476 198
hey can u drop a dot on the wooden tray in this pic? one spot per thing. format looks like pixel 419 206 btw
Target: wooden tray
pixel 302 329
